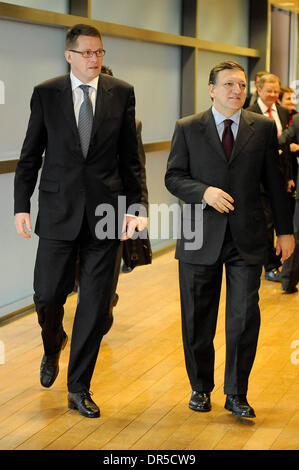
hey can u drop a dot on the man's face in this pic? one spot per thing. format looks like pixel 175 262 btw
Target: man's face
pixel 229 92
pixel 269 93
pixel 288 101
pixel 83 68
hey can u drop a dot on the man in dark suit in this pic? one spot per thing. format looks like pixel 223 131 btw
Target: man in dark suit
pixel 268 93
pixel 290 269
pixel 217 161
pixel 85 123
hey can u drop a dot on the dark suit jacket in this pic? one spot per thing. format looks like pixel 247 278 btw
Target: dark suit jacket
pixel 292 135
pixel 142 159
pixel 285 157
pixel 197 161
pixel 70 184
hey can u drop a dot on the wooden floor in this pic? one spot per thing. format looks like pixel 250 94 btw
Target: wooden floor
pixel 140 381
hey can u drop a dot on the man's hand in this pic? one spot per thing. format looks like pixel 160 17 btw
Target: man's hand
pixel 285 245
pixel 23 223
pixel 142 223
pixel 129 226
pixel 291 184
pixel 294 147
pixel 220 200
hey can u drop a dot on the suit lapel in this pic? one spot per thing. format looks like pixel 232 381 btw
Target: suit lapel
pixel 103 98
pixel 67 105
pixel 282 116
pixel 245 132
pixel 211 133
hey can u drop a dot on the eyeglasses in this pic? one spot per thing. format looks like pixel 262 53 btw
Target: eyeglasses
pixel 89 54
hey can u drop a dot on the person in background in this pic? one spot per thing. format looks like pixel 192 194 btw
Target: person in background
pixel 290 268
pixel 254 96
pixel 268 94
pixel 287 99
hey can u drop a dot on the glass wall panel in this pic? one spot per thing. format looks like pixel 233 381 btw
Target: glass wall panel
pixel 59 6
pixel 157 15
pixel 28 55
pixel 154 70
pixel 225 22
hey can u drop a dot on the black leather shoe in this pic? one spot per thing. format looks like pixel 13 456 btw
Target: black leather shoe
pixel 109 321
pixel 125 269
pixel 82 402
pixel 49 367
pixel 239 406
pixel 273 275
pixel 289 290
pixel 200 401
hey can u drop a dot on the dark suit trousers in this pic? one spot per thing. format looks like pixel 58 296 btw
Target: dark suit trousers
pixel 272 261
pixel 54 279
pixel 200 287
pixel 290 268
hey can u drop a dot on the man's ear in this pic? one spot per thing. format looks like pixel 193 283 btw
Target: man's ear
pixel 211 90
pixel 67 56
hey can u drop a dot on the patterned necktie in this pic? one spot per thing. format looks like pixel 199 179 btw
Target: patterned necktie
pixel 227 138
pixel 85 120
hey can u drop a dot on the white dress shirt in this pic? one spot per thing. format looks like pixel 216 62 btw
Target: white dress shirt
pixel 265 108
pixel 78 94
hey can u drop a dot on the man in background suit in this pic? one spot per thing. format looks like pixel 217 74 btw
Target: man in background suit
pixel 268 94
pixel 290 269
pixel 218 159
pixel 85 122
pixel 144 191
pixel 287 99
pixel 254 96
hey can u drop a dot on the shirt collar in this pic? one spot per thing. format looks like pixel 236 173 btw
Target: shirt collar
pixel 264 107
pixel 219 117
pixel 76 82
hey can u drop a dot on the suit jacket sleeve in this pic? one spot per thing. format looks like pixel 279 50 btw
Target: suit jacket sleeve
pixel 273 183
pixel 31 157
pixel 128 154
pixel 142 159
pixel 177 179
pixel 287 136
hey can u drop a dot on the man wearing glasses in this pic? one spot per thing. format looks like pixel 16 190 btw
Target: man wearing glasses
pixel 85 124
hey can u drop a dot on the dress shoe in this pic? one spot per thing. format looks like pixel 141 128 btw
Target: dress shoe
pixel 82 402
pixel 273 275
pixel 125 269
pixel 289 290
pixel 49 367
pixel 109 320
pixel 239 406
pixel 200 401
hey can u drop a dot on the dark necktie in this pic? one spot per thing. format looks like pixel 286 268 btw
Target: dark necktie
pixel 227 138
pixel 85 120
